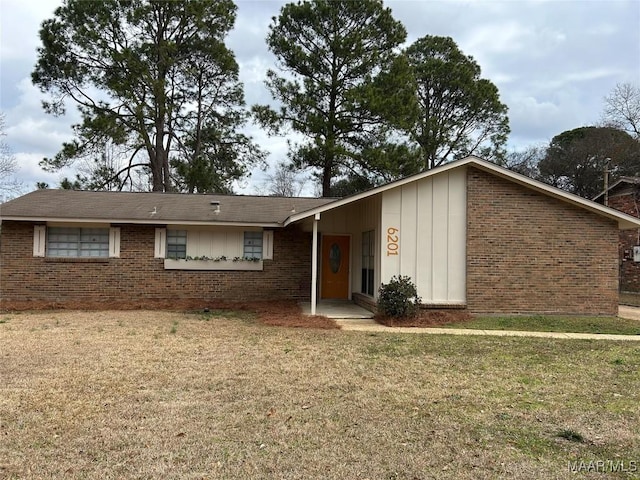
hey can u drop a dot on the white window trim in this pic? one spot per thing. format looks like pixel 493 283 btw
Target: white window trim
pixel 267 245
pixel 160 249
pixel 114 242
pixel 39 240
pixel 176 240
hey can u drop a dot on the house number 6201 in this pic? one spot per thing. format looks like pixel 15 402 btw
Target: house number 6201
pixel 392 241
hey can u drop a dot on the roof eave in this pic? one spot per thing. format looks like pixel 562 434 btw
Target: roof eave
pixel 377 190
pixel 624 221
pixel 153 221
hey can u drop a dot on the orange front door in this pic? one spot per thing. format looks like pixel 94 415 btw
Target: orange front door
pixel 335 266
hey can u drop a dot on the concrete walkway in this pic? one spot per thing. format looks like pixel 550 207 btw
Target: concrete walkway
pixel 337 309
pixel 370 325
pixel 632 313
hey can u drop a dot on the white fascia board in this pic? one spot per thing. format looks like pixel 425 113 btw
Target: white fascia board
pixel 215 224
pixel 139 222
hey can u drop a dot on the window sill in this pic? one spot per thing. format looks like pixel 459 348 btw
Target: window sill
pixel 173 264
pixel 76 260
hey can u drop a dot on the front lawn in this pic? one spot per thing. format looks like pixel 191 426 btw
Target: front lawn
pixel 552 323
pixel 628 298
pixel 221 396
pixel 530 323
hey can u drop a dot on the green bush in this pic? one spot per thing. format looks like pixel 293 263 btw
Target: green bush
pixel 398 298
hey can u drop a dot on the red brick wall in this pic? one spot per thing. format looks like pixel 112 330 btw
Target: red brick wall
pixel 629 270
pixel 527 252
pixel 138 280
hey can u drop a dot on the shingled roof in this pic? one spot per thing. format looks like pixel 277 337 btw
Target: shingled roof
pixel 160 208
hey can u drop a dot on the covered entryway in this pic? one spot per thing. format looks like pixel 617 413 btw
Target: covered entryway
pixel 335 267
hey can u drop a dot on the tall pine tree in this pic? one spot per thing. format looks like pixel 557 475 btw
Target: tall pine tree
pixel 341 85
pixel 153 78
pixel 460 113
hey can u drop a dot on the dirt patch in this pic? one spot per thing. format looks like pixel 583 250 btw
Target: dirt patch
pixel 427 318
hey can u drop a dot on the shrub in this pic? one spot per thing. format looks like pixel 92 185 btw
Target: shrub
pixel 398 298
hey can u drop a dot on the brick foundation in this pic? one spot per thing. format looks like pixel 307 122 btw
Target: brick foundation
pixel 530 253
pixel 138 280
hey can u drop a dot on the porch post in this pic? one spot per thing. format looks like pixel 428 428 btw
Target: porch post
pixel 314 264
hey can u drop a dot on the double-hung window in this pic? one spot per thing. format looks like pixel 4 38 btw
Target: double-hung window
pixel 77 242
pixel 176 244
pixel 252 245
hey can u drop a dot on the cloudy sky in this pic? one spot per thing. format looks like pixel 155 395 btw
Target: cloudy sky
pixel 553 61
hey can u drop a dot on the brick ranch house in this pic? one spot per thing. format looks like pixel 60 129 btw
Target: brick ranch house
pixel 624 195
pixel 470 234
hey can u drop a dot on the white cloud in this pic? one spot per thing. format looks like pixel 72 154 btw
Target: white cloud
pixel 553 62
pixel 30 173
pixel 29 129
pixel 498 38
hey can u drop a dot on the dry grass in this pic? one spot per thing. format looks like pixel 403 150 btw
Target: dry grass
pixel 169 395
pixel 629 298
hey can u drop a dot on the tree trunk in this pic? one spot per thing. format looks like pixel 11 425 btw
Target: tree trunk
pixel 326 178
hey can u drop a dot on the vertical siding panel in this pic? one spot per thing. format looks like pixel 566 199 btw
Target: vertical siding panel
pixel 235 243
pixel 215 242
pixel 377 223
pixel 457 236
pixel 431 216
pixel 390 217
pixel 193 243
pixel 218 245
pixel 408 227
pixel 424 253
pixel 440 269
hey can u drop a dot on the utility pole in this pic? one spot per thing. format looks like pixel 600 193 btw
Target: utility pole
pixel 606 181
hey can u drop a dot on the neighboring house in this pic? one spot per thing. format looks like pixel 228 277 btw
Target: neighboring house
pixel 624 195
pixel 470 234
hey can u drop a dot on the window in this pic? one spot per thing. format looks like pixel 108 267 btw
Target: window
pixel 368 262
pixel 176 244
pixel 77 242
pixel 252 245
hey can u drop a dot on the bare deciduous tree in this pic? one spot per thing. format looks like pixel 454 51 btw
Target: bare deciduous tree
pixel 526 161
pixel 9 185
pixel 622 109
pixel 285 182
